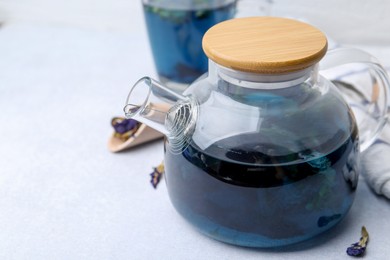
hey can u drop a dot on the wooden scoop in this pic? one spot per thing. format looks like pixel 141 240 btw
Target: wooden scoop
pixel 142 135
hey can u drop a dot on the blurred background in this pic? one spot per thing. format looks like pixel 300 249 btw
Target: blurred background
pixel 348 21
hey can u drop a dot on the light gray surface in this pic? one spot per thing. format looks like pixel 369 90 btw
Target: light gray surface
pixel 63 195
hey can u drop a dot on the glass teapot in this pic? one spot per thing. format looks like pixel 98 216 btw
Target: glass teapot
pixel 264 151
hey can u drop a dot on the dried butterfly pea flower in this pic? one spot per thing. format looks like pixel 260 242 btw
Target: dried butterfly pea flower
pixel 157 174
pixel 124 128
pixel 358 248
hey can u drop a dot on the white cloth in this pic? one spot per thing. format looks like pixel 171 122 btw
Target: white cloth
pixel 375 169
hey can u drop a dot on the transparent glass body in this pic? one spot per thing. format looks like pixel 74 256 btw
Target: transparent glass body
pixel 270 162
pixel 264 160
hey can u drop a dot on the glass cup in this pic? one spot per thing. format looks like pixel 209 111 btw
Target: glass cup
pixel 175 29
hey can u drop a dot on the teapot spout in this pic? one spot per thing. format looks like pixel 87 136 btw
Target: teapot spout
pixel 162 109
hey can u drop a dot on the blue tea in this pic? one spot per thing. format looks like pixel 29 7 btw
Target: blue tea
pixel 240 203
pixel 176 39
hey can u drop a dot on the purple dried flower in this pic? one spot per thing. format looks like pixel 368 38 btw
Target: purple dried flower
pixel 125 125
pixel 358 248
pixel 124 128
pixel 156 175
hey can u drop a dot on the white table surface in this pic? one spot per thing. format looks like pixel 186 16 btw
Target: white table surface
pixel 63 195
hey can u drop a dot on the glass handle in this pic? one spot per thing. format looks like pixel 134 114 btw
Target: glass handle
pixel 370 104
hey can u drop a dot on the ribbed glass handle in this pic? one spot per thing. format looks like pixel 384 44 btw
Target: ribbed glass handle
pixel 369 102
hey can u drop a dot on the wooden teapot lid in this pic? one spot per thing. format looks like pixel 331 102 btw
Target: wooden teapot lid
pixel 267 45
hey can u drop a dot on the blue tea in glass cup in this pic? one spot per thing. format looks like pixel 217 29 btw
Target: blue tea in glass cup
pixel 175 29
